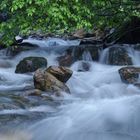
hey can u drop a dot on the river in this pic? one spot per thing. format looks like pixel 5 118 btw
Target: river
pixel 100 106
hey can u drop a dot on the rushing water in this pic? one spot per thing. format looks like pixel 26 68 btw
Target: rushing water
pixel 100 106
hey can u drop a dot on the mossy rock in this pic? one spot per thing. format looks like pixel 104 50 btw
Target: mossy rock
pixel 30 64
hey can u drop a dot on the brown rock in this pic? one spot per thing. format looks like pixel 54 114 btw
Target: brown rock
pixel 61 73
pixel 65 60
pixel 129 75
pixel 45 81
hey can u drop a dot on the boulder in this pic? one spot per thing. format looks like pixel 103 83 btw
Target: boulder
pixel 61 73
pixel 129 75
pixel 30 64
pixel 118 56
pixel 45 81
pixel 67 59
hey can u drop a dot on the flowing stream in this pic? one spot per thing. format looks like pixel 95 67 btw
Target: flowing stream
pixel 100 106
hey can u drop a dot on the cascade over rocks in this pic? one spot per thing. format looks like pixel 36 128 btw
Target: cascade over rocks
pixel 61 73
pixel 30 64
pixel 118 56
pixel 52 79
pixel 90 49
pixel 86 52
pixel 129 75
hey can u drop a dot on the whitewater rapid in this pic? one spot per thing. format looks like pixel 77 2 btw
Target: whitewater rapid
pixel 100 106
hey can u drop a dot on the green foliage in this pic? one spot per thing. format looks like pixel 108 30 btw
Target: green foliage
pixel 25 16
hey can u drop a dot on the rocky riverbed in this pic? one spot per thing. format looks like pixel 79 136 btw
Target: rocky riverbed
pixel 67 90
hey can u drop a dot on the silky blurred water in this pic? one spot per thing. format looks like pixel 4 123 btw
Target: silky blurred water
pixel 100 106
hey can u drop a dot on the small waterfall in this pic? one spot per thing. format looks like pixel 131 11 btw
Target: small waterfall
pixel 134 54
pixel 86 56
pixel 84 64
pixel 127 49
pixel 104 56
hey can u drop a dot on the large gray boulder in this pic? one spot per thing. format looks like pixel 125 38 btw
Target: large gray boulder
pixel 30 64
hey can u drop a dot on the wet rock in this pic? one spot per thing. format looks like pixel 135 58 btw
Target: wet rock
pixel 65 60
pixel 87 52
pixel 127 33
pixel 61 73
pixel 119 56
pixel 45 81
pixel 30 64
pixel 129 75
pixel 34 92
